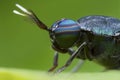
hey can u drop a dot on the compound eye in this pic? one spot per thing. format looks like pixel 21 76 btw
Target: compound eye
pixel 66 33
pixel 52 36
pixel 53 28
pixel 57 48
pixel 56 24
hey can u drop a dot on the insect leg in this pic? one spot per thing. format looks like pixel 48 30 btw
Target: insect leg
pixel 78 65
pixel 55 62
pixel 71 58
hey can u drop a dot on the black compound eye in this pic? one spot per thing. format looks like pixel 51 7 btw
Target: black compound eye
pixel 53 28
pixel 52 36
pixel 56 47
pixel 65 32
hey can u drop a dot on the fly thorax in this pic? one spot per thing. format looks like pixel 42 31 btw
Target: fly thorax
pixel 65 33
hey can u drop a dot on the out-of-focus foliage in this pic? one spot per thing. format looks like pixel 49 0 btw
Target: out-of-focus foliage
pixel 15 74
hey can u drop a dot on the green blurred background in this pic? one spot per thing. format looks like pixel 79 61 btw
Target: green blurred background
pixel 24 45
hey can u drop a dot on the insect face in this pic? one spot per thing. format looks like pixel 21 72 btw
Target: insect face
pixel 64 34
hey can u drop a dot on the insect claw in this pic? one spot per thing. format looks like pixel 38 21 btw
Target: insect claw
pixel 60 70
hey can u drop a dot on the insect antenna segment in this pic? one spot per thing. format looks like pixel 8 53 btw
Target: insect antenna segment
pixel 30 14
pixel 25 11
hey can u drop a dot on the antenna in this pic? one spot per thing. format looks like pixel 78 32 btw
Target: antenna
pixel 30 14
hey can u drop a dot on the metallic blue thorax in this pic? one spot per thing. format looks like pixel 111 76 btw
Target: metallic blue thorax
pixel 100 25
pixel 102 34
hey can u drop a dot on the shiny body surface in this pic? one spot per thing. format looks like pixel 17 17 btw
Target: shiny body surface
pixel 97 39
pixel 103 40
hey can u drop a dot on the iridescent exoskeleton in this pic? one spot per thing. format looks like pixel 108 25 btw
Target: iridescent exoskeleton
pixel 97 38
